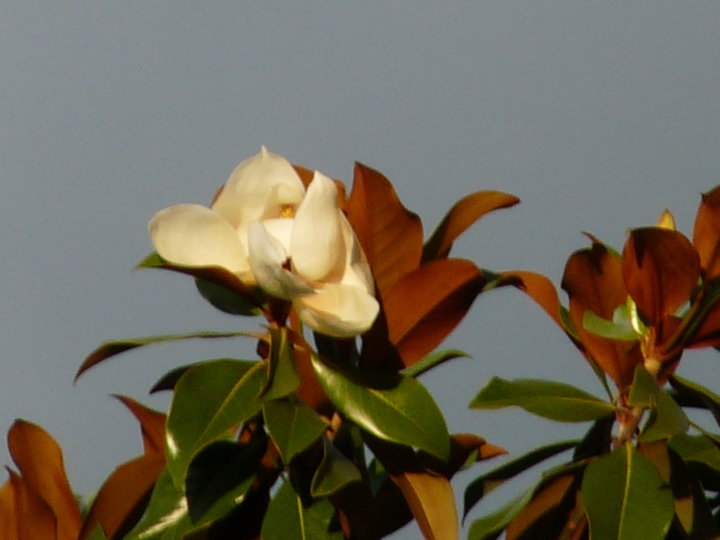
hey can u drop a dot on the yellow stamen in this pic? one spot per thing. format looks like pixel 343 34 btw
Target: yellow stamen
pixel 287 211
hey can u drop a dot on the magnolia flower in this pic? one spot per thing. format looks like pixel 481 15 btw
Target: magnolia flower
pixel 267 229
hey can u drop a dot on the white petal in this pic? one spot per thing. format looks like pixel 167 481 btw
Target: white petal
pixel 267 257
pixel 193 235
pixel 338 310
pixel 317 247
pixel 357 270
pixel 265 177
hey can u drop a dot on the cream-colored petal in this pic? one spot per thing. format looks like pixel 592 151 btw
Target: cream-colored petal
pixel 267 258
pixel 193 235
pixel 317 246
pixel 258 181
pixel 357 270
pixel 338 310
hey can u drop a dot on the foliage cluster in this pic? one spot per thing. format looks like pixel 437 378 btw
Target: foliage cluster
pixel 329 432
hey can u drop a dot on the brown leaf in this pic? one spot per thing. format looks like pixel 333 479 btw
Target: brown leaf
pixel 537 287
pixel 35 518
pixel 8 512
pixel 706 236
pixel 40 461
pixel 424 306
pixel 432 503
pixel 593 281
pixel 390 235
pixel 660 268
pixel 550 497
pixel 461 216
pixel 462 446
pixel 152 425
pixel 123 496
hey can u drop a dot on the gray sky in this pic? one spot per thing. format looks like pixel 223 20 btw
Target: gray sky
pixel 596 114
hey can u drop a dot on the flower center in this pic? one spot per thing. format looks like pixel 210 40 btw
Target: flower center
pixel 287 211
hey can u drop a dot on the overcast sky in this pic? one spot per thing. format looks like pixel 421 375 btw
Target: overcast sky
pixel 596 114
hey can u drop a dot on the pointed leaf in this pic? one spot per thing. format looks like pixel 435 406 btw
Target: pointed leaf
pixel 697 448
pixel 219 477
pixel 40 461
pixel 112 348
pixel 293 426
pixel 626 498
pixel 282 376
pixel 461 216
pixel 395 408
pixel 661 269
pixel 210 399
pixel 539 288
pixel 553 400
pixel 390 235
pixel 334 472
pixel 609 329
pixel 287 518
pixel 34 517
pixel 698 391
pixel 544 501
pixel 152 424
pixel 424 306
pixel 9 512
pixel 122 498
pixel 491 525
pixel 433 359
pixel 484 484
pixel 706 235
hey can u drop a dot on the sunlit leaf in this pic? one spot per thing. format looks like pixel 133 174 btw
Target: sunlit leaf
pixel 287 518
pixel 465 450
pixel 334 472
pixel 40 462
pixel 227 300
pixel 550 399
pixel 424 306
pixel 609 329
pixel 209 400
pixel 484 484
pixel 8 512
pixel 293 426
pixel 461 216
pixel 544 501
pixel 152 424
pixel 706 235
pixel 34 518
pixel 491 525
pixel 433 359
pixel 218 478
pixel 625 497
pixel 395 408
pixel 390 235
pixel 122 498
pixel 661 268
pixel 539 288
pixel 282 377
pixel 112 348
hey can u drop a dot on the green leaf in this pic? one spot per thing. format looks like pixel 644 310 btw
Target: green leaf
pixel 484 484
pixel 697 448
pixel 166 516
pixel 492 525
pixel 666 416
pixel 219 477
pixel 625 498
pixel 553 400
pixel 287 518
pixel 282 376
pixel 112 348
pixel 226 300
pixel 293 426
pixel 431 360
pixel 334 472
pixel 706 396
pixel 210 399
pixel 620 329
pixel 392 407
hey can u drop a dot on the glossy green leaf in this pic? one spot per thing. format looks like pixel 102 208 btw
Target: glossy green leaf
pixel 334 472
pixel 707 397
pixel 484 484
pixel 293 426
pixel 210 399
pixel 625 498
pixel 288 518
pixel 432 360
pixel 166 517
pixel 219 476
pixel 666 416
pixel 113 348
pixel 615 329
pixel 226 300
pixel 553 400
pixel 491 526
pixel 697 448
pixel 393 407
pixel 282 376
